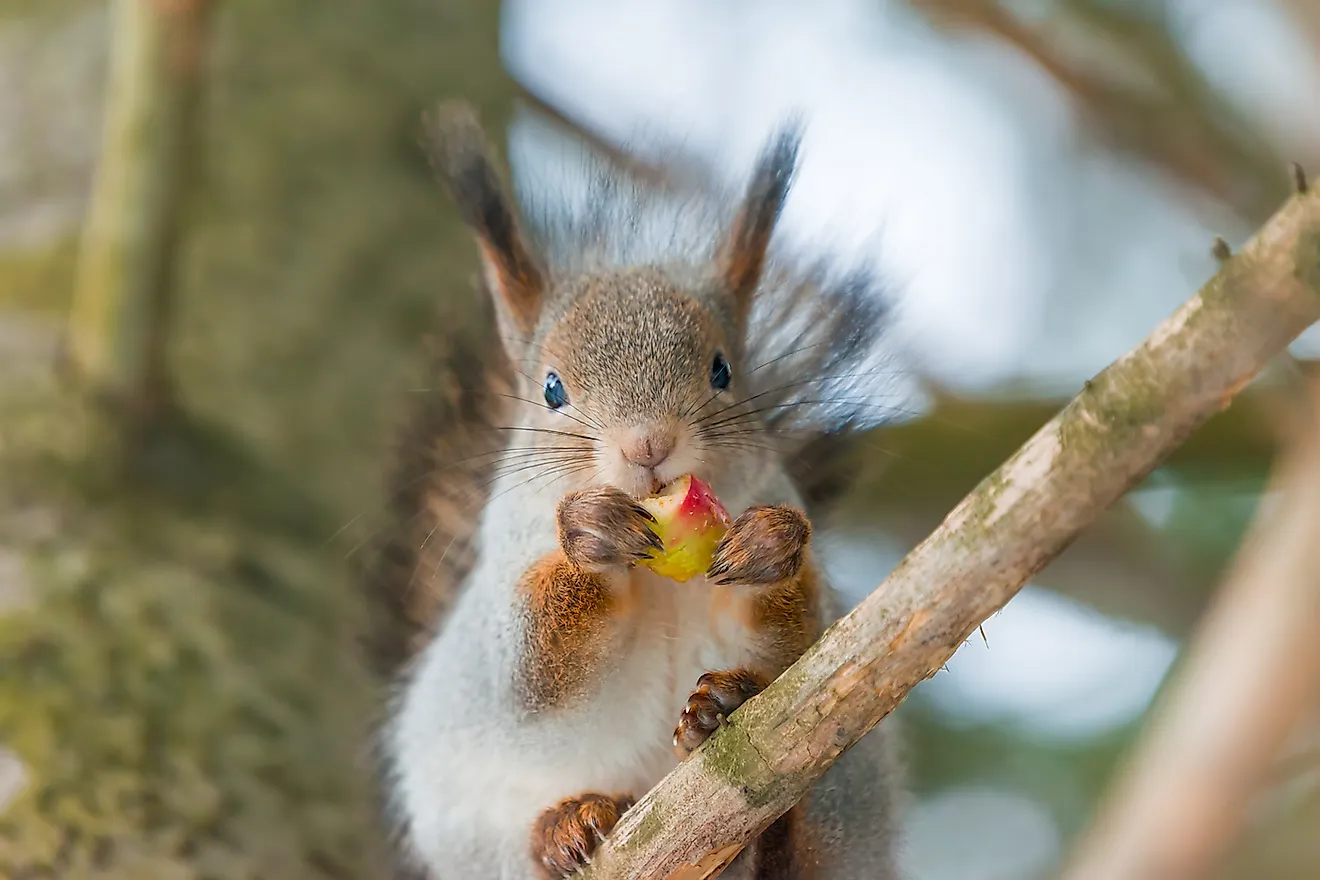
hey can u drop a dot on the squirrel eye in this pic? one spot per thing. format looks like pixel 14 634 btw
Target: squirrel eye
pixel 721 374
pixel 555 395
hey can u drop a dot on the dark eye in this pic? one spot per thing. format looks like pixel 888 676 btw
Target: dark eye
pixel 720 373
pixel 555 395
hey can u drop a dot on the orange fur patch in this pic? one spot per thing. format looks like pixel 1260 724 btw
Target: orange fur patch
pixel 787 615
pixel 569 619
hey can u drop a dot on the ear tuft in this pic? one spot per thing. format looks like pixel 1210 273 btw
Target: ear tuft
pixel 461 157
pixel 743 258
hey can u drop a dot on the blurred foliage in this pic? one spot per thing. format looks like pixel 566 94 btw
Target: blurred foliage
pixel 184 688
pixel 158 692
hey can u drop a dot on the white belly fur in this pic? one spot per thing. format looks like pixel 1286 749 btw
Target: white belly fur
pixel 472 785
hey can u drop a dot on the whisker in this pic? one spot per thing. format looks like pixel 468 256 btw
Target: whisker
pixel 784 387
pixel 864 403
pixel 788 354
pixel 690 412
pixel 393 496
pixel 558 412
pixel 519 467
pixel 522 468
pixel 557 471
pixel 586 437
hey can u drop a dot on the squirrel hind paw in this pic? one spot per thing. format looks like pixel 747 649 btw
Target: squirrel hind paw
pixel 565 836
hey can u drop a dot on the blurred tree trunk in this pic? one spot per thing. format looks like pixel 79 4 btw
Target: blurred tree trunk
pixel 181 694
pixel 127 266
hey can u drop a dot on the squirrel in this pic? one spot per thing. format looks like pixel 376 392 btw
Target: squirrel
pixel 553 681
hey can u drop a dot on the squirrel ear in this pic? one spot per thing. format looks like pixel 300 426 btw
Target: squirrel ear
pixel 743 254
pixel 461 157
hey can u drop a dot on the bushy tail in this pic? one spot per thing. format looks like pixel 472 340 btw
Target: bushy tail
pixel 444 454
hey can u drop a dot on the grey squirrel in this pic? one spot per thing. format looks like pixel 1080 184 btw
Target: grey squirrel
pixel 553 681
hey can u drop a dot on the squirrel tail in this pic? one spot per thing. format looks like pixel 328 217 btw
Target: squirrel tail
pixel 444 453
pixel 824 371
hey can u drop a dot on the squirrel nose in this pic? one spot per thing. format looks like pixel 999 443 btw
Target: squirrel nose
pixel 648 447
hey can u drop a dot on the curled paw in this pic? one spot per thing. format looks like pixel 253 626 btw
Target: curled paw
pixel 717 695
pixel 565 836
pixel 603 526
pixel 765 545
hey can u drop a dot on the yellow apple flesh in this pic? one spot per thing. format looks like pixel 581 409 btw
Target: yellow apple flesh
pixel 690 521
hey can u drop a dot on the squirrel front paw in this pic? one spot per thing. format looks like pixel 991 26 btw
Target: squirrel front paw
pixel 603 526
pixel 717 695
pixel 765 545
pixel 565 836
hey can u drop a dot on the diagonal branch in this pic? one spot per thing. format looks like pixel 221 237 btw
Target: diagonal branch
pixel 1122 424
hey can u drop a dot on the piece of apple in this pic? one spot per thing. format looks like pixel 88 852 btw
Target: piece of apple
pixel 690 521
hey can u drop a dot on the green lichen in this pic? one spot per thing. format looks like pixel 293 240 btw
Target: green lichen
pixel 651 824
pixel 733 758
pixel 1107 416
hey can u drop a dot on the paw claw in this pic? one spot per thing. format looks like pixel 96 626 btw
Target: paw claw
pixel 716 696
pixel 766 544
pixel 565 836
pixel 602 527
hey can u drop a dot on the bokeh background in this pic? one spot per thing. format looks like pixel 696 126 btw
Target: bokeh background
pixel 181 692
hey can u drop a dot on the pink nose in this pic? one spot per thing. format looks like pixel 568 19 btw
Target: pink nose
pixel 648 447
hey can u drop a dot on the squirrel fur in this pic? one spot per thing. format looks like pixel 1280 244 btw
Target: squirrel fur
pixel 546 681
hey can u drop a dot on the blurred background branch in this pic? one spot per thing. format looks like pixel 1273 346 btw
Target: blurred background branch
pixel 165 645
pixel 1251 675
pixel 1308 16
pixel 1138 92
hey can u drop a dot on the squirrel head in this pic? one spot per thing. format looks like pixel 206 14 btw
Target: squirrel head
pixel 634 374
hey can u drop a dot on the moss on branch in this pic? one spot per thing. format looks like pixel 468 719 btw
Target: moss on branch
pixel 1122 424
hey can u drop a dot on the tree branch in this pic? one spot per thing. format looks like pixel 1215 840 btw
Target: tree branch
pixel 124 292
pixel 1151 101
pixel 1019 518
pixel 1249 680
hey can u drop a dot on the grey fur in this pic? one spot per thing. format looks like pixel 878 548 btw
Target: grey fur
pixel 632 306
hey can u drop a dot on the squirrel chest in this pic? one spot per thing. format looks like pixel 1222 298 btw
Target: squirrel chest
pixel 666 635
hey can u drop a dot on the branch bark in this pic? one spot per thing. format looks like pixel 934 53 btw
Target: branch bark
pixel 126 267
pixel 1019 518
pixel 1249 680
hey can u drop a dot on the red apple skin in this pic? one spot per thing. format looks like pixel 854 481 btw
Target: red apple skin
pixel 690 533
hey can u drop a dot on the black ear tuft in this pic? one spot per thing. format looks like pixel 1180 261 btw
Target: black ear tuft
pixel 744 253
pixel 461 156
